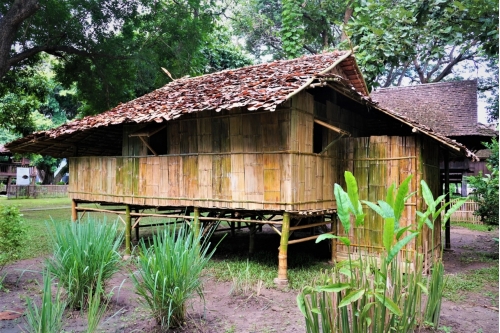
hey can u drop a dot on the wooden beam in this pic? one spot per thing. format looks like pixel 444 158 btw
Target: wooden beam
pixel 147 145
pixel 331 127
pixel 128 230
pixel 305 239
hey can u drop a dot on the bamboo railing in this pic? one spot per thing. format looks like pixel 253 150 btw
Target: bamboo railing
pixel 466 212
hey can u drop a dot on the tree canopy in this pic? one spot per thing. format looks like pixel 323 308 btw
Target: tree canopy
pixel 399 41
pixel 110 51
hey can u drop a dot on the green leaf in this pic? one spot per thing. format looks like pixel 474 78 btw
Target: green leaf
pixel 402 231
pixel 352 188
pixel 424 288
pixel 427 195
pixel 353 296
pixel 343 239
pixel 388 233
pixel 345 271
pixel 387 210
pixel 389 304
pixel 454 208
pixel 389 197
pixel 374 207
pixel 333 288
pixel 399 245
pixel 343 207
pixel 301 303
pixel 401 197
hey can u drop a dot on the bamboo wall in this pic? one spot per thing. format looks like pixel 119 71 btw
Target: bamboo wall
pixel 378 162
pixel 264 161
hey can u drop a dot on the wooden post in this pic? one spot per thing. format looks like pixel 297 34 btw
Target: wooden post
pixel 334 223
pixel 251 246
pixel 447 230
pixel 282 256
pixel 128 230
pixel 137 226
pixel 196 222
pixel 74 213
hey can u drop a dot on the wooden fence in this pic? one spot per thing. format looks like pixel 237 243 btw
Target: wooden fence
pixel 37 191
pixel 465 213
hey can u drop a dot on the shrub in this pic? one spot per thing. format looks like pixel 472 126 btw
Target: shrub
pixel 46 318
pixel 81 251
pixel 169 273
pixel 12 234
pixel 486 188
pixel 368 294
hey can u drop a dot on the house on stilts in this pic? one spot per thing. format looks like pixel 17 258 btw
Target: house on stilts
pixel 263 144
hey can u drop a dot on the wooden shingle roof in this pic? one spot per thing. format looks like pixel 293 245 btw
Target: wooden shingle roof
pixel 258 87
pixel 449 108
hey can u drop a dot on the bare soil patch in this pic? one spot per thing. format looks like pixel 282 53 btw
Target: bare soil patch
pixel 271 311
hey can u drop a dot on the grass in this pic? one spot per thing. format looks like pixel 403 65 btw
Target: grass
pixel 458 285
pixel 475 227
pixel 305 260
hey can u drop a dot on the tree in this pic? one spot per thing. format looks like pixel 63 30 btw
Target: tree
pixel 486 188
pixel 399 41
pixel 421 41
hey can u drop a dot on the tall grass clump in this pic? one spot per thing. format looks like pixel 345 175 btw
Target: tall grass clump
pixel 169 272
pixel 46 318
pixel 84 252
pixel 377 294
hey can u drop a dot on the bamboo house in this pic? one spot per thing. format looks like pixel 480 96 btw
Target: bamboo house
pixel 259 145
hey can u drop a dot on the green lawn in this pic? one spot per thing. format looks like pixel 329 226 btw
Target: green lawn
pixel 39 214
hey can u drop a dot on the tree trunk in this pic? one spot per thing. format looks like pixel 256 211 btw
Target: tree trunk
pixel 9 26
pixel 347 17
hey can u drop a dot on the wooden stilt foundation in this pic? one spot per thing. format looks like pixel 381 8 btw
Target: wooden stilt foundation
pixel 282 256
pixel 74 213
pixel 196 221
pixel 253 230
pixel 128 230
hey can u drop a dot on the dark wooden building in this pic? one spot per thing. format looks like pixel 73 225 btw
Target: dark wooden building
pixel 262 144
pixel 449 108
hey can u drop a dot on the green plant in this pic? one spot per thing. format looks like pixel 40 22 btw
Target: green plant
pixel 81 251
pixel 12 234
pixel 486 188
pixel 169 272
pixel 369 294
pixel 96 306
pixel 46 318
pixel 243 281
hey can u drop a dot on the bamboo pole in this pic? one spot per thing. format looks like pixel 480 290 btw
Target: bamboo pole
pixel 74 212
pixel 128 230
pixel 282 257
pixel 305 239
pixel 196 222
pixel 334 241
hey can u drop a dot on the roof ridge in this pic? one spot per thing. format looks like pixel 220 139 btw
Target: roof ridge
pixel 187 77
pixel 424 85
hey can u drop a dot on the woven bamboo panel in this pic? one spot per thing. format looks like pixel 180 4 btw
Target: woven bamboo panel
pixel 378 162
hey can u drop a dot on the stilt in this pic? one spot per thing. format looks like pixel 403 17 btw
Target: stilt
pixel 137 226
pixel 447 228
pixel 196 222
pixel 74 213
pixel 251 246
pixel 282 257
pixel 128 230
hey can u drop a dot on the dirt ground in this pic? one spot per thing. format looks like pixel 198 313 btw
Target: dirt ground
pixel 271 311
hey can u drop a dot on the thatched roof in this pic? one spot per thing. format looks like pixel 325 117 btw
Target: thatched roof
pixel 258 87
pixel 449 108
